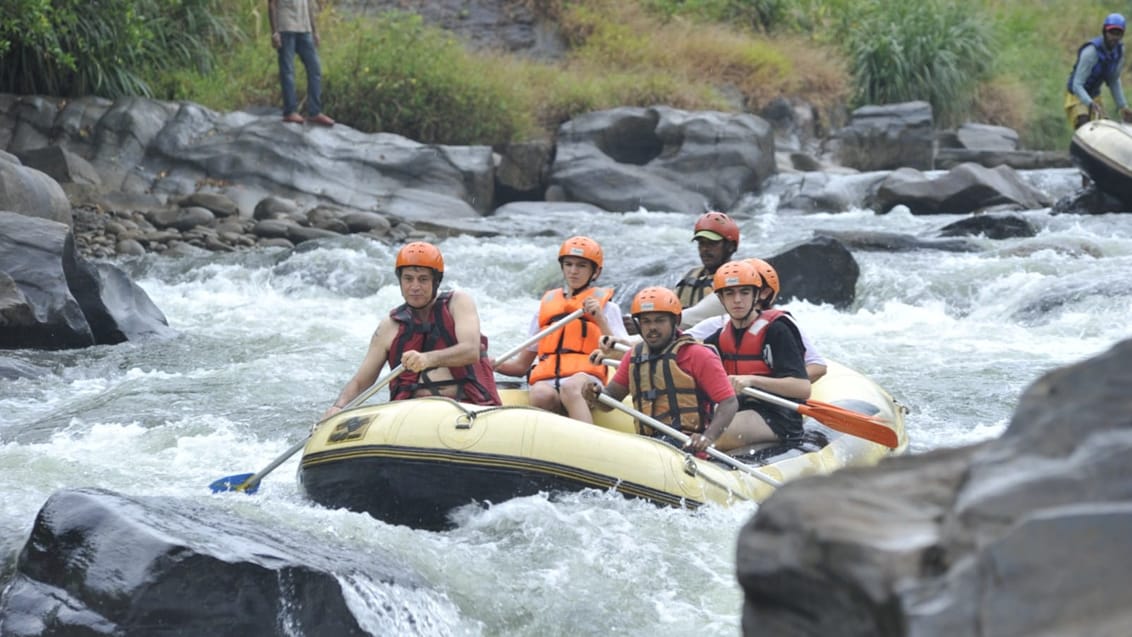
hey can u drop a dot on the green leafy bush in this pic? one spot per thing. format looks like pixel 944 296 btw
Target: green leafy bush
pixel 394 74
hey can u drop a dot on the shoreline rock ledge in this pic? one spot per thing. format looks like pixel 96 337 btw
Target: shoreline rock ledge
pixel 1027 535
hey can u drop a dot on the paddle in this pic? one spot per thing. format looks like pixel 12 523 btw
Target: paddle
pixel 610 401
pixel 249 482
pixel 834 417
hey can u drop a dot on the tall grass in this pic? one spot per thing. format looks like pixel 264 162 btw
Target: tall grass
pixel 107 48
pixel 933 50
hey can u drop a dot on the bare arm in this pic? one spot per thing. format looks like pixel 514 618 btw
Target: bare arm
pixel 724 413
pixel 517 365
pixel 374 360
pixel 616 390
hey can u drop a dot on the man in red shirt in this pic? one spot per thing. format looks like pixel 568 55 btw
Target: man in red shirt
pixel 672 377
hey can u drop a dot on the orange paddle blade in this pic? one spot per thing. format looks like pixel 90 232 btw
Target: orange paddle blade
pixel 850 422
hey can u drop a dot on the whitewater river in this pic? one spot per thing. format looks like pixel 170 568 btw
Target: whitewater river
pixel 267 338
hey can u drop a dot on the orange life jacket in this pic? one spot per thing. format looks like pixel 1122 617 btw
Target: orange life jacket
pixel 567 351
pixel 474 383
pixel 664 391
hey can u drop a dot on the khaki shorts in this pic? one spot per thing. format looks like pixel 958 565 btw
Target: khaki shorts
pixel 1075 108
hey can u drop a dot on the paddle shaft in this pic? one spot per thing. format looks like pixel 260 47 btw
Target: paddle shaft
pixel 549 329
pixel 359 399
pixel 839 418
pixel 385 380
pixel 610 401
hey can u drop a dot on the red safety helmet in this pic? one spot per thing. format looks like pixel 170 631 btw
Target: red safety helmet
pixel 716 226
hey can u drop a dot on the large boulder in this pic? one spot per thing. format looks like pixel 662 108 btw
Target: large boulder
pixel 1024 535
pixel 50 298
pixel 887 137
pixel 31 192
pixel 821 270
pixel 661 159
pixel 176 149
pixel 965 188
pixel 101 563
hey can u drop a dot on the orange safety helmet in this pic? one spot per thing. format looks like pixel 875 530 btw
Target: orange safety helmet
pixel 716 226
pixel 769 275
pixel 735 274
pixel 584 247
pixel 422 255
pixel 656 299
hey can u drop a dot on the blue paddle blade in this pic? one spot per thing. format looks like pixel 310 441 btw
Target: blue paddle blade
pixel 234 483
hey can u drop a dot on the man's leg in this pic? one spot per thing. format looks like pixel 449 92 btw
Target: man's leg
pixel 287 72
pixel 544 396
pixel 304 46
pixel 574 400
pixel 747 428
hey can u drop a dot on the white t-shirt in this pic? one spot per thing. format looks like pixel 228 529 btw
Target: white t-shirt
pixel 709 326
pixel 708 307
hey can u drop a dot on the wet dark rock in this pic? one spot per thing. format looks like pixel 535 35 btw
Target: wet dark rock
pixel 965 188
pixel 102 563
pixel 990 226
pixel 1023 535
pixel 821 270
pixel 72 302
pixel 895 241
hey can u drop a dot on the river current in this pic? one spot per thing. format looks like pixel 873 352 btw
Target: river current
pixel 266 339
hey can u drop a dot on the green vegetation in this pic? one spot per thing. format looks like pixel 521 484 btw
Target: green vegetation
pixel 994 61
pixel 77 47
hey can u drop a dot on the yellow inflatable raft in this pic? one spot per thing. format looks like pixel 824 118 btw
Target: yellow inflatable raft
pixel 411 462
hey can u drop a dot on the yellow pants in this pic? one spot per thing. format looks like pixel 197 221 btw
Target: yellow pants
pixel 1075 108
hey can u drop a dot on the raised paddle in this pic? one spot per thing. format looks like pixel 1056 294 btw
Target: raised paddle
pixel 610 401
pixel 834 417
pixel 249 482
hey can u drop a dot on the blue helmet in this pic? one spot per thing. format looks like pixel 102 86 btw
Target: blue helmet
pixel 1113 21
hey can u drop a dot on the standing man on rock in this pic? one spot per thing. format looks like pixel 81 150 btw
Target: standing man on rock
pixel 1099 62
pixel 293 31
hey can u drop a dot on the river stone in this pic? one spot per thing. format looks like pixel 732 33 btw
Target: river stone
pixel 102 563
